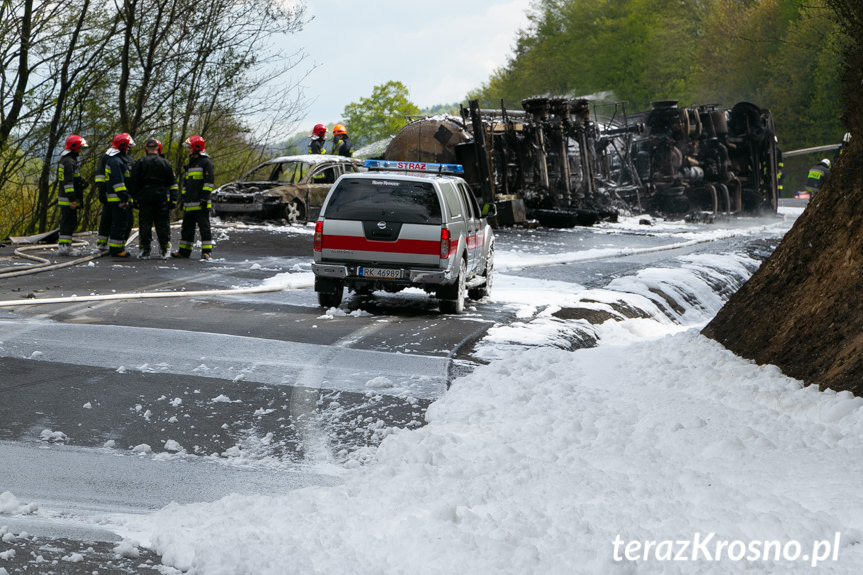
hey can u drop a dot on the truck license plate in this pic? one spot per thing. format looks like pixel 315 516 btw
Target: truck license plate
pixel 385 273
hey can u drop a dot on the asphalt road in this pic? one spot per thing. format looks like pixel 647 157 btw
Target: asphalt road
pixel 129 404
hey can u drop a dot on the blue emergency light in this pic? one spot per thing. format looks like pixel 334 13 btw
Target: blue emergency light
pixel 404 166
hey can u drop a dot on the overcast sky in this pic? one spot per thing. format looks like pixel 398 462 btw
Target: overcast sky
pixel 439 50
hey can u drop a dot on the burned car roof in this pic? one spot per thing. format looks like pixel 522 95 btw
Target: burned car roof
pixel 311 159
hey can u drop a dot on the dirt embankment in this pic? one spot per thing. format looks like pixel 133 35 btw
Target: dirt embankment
pixel 803 309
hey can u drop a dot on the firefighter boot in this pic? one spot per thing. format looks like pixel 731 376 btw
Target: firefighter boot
pixel 68 251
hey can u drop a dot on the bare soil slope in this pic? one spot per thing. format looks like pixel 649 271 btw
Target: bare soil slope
pixel 803 309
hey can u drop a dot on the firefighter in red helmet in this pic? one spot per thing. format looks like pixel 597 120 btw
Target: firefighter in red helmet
pixel 112 175
pixel 70 192
pixel 195 200
pixel 318 139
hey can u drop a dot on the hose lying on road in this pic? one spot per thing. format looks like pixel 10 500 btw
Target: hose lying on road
pixel 43 264
pixel 142 295
pixel 301 281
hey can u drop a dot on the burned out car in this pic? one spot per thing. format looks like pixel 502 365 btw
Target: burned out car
pixel 287 187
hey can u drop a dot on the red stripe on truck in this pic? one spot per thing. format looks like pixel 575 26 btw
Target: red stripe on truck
pixel 354 243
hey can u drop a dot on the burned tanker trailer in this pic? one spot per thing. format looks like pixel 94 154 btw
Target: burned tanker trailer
pixel 555 163
pixel 706 161
pixel 536 164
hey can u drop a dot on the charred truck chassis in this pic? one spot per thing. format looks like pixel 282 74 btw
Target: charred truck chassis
pixel 551 162
pixel 707 160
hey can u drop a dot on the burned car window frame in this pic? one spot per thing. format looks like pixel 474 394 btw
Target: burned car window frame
pixel 265 192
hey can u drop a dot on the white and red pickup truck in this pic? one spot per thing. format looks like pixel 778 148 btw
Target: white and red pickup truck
pixel 404 224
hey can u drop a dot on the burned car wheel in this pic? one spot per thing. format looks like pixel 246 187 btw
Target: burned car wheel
pixel 295 211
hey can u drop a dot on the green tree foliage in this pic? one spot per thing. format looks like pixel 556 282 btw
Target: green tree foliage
pixel 633 50
pixel 451 109
pixel 779 54
pixel 849 16
pixel 380 115
pixel 170 68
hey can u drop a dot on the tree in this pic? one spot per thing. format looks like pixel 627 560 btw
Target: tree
pixel 381 115
pixel 168 67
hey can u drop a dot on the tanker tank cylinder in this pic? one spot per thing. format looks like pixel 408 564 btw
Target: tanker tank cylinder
pixel 428 140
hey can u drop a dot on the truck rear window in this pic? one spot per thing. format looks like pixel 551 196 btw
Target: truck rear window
pixel 389 200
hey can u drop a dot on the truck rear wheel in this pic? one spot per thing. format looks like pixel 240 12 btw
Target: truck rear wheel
pixel 452 297
pixel 329 292
pixel 480 292
pixel 330 299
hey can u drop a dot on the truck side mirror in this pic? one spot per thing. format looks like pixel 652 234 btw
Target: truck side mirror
pixel 489 210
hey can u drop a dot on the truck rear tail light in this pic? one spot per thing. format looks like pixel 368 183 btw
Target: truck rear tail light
pixel 319 236
pixel 444 243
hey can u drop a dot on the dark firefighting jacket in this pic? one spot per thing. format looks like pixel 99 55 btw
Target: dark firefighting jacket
pixel 153 180
pixel 342 146
pixel 198 183
pixel 112 175
pixel 69 183
pixel 316 145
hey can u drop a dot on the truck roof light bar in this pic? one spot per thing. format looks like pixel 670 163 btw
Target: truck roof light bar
pixel 404 166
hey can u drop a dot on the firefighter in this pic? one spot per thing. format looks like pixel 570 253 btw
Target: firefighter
pixel 318 139
pixel 342 145
pixel 780 169
pixel 197 187
pixel 156 192
pixel 846 139
pixel 70 193
pixel 111 176
pixel 817 174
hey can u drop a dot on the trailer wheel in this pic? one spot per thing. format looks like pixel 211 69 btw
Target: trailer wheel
pixel 722 192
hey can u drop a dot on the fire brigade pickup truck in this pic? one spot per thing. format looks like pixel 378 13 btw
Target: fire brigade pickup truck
pixel 404 224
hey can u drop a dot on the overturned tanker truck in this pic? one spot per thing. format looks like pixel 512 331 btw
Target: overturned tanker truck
pixel 553 163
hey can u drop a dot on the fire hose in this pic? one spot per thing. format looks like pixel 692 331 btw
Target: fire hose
pixel 43 264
